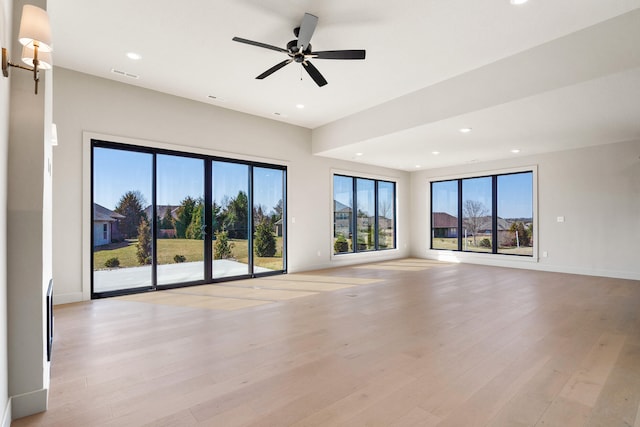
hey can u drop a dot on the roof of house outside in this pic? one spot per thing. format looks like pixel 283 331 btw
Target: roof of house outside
pixel 100 213
pixel 444 220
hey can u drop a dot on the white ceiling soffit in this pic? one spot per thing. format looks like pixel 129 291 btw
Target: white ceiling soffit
pixel 579 90
pixel 428 62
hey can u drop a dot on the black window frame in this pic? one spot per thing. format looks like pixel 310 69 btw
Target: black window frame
pixel 354 217
pixel 208 159
pixel 493 210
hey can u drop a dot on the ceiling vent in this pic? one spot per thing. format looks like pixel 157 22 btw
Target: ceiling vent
pixel 124 74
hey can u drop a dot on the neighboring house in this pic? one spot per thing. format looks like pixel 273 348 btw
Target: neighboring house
pixel 278 227
pixel 342 222
pixel 105 225
pixel 444 225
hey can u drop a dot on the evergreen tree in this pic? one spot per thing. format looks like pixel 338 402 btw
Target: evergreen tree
pixel 131 207
pixel 143 252
pixel 222 247
pixel 185 214
pixel 265 241
pixel 237 216
pixel 194 231
pixel 166 223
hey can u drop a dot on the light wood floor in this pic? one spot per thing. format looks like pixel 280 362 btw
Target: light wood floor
pixel 404 343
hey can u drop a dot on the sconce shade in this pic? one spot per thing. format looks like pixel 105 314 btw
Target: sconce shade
pixel 44 58
pixel 34 27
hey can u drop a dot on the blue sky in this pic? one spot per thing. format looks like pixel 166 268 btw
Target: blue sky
pixel 118 171
pixel 515 195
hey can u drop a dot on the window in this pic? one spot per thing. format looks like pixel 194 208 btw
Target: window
pixel 372 228
pixel 166 218
pixel 490 214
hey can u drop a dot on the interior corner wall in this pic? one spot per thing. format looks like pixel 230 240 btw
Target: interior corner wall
pixel 84 103
pixel 596 190
pixel 29 260
pixel 6 9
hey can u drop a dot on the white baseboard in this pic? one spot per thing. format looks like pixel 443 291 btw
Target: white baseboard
pixel 6 417
pixel 67 298
pixel 532 264
pixel 30 403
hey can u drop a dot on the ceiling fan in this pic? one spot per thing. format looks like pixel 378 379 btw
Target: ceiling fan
pixel 300 51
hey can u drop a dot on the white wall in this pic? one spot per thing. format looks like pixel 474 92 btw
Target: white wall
pixel 83 103
pixel 5 37
pixel 29 266
pixel 596 189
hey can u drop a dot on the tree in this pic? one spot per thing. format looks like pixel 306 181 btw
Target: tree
pixel 265 242
pixel 184 216
pixel 341 244
pixel 130 206
pixel 194 230
pixel 143 252
pixel 166 223
pixel 524 234
pixel 259 215
pixel 222 247
pixel 474 213
pixel 237 215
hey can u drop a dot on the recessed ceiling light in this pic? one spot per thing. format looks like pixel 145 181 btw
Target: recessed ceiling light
pixel 300 106
pixel 435 153
pixel 134 56
pixel 465 130
pixel 418 166
pixel 516 2
pixel 515 151
pixel 359 154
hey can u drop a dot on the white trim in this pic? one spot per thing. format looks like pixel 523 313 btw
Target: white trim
pixel 6 417
pixel 87 136
pixel 522 263
pixel 358 257
pixel 26 404
pixel 87 226
pixel 355 174
pixel 68 298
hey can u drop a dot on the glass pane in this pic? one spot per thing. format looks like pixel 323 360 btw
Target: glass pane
pixel 121 224
pixel 231 219
pixel 386 215
pixel 365 238
pixel 179 218
pixel 444 215
pixel 477 230
pixel 515 214
pixel 342 214
pixel 268 207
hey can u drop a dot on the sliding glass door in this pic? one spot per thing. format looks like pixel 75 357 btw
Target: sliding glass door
pixel 231 227
pixel 165 219
pixel 179 219
pixel 121 240
pixel 268 220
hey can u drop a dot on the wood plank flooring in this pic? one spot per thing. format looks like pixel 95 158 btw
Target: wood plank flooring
pixel 403 343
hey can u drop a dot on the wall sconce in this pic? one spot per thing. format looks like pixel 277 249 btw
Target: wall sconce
pixel 35 36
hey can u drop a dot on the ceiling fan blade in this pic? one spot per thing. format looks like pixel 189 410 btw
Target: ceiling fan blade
pixel 274 69
pixel 307 27
pixel 264 45
pixel 314 73
pixel 339 54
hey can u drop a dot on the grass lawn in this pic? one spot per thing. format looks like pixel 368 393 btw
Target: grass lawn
pixel 192 250
pixel 451 244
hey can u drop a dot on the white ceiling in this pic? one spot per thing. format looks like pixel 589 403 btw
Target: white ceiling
pixel 577 64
